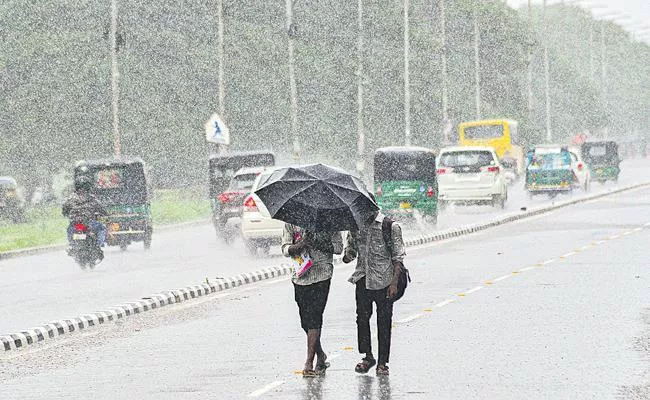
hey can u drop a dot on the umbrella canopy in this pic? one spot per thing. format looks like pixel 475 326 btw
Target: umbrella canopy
pixel 317 197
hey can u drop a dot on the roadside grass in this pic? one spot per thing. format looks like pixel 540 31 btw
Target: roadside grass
pixel 46 226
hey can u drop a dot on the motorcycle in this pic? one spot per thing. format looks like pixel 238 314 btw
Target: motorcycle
pixel 84 248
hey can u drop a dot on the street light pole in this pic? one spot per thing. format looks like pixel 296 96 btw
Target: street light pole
pixel 477 65
pixel 115 81
pixel 407 88
pixel 529 80
pixel 220 51
pixel 445 100
pixel 603 75
pixel 361 140
pixel 547 89
pixel 291 32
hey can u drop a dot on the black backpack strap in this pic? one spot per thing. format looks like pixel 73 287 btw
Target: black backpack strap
pixel 387 233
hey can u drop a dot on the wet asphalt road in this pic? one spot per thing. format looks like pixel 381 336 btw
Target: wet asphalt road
pixel 553 307
pixel 41 289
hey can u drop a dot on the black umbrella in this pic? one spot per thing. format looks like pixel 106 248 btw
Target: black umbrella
pixel 317 197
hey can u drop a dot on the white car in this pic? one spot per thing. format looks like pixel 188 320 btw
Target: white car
pixel 258 229
pixel 470 175
pixel 580 169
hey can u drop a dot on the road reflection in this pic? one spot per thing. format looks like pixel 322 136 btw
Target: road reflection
pixel 366 391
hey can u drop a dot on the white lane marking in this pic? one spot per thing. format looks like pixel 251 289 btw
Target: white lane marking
pixel 409 318
pixel 444 303
pixel 569 254
pixel 614 237
pixel 550 260
pixel 586 247
pixel 501 278
pixel 637 229
pixel 266 388
pixel 526 269
pixel 476 289
pixel 599 241
pixel 334 356
pixel 627 233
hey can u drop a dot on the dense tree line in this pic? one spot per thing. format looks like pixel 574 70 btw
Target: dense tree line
pixel 56 99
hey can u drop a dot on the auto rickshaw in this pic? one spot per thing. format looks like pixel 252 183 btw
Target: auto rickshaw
pixel 225 205
pixel 122 186
pixel 603 160
pixel 405 182
pixel 549 171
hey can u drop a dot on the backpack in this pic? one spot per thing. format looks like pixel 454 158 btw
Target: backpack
pixel 404 276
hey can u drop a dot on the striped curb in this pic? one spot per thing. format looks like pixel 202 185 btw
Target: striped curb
pixel 31 336
pixel 32 251
pixel 15 341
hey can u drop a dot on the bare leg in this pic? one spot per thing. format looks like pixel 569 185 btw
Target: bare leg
pixel 320 353
pixel 313 337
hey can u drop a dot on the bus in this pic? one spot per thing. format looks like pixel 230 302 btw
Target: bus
pixel 500 134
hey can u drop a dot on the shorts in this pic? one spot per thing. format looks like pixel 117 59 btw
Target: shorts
pixel 311 300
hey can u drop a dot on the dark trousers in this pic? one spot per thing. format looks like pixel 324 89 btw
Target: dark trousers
pixel 365 298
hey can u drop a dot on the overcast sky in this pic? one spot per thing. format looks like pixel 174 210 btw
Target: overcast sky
pixel 634 14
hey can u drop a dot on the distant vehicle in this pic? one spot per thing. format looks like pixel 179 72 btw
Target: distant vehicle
pixel 500 134
pixel 232 200
pixel 510 170
pixel 222 169
pixel 12 204
pixel 258 229
pixel 581 171
pixel 603 159
pixel 405 182
pixel 549 171
pixel 122 186
pixel 471 175
pixel 84 248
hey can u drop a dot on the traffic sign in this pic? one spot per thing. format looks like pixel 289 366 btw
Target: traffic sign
pixel 216 131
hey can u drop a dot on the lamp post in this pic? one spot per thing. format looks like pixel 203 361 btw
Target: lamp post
pixel 443 61
pixel 547 89
pixel 407 84
pixel 291 32
pixel 115 81
pixel 361 140
pixel 477 66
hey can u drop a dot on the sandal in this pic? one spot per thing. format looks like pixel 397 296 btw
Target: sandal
pixel 382 369
pixel 320 368
pixel 309 373
pixel 365 365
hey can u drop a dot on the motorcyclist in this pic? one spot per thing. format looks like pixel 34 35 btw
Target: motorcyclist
pixel 82 205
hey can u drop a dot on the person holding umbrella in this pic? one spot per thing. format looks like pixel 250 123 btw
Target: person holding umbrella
pixel 317 202
pixel 312 285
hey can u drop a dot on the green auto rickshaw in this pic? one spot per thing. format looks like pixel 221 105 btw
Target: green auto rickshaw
pixel 603 160
pixel 122 186
pixel 405 182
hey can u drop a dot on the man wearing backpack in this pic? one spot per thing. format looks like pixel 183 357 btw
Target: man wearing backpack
pixel 379 250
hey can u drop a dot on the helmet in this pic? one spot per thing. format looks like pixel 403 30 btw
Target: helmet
pixel 83 184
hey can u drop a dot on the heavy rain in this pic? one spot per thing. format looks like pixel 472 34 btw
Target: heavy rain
pixel 422 199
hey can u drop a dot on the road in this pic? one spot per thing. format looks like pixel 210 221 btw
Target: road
pixel 552 307
pixel 40 289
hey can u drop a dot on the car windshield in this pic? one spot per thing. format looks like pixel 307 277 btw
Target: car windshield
pixel 600 153
pixel 466 159
pixel 549 160
pixel 484 132
pixel 119 184
pixel 242 182
pixel 403 166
